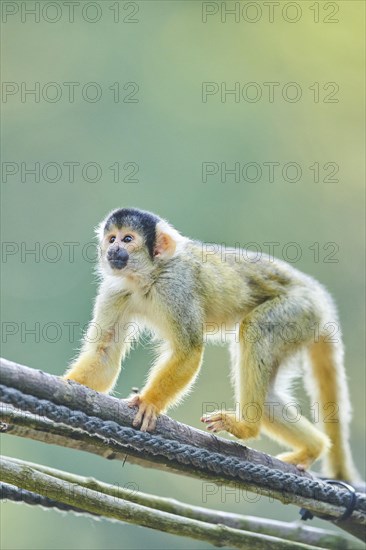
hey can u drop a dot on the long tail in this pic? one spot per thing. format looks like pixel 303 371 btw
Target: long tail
pixel 330 391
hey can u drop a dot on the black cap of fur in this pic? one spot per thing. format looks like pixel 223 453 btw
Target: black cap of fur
pixel 144 222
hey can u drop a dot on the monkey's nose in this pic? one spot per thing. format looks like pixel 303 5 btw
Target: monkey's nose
pixel 117 257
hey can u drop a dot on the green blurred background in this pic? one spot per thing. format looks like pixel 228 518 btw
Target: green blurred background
pixel 168 133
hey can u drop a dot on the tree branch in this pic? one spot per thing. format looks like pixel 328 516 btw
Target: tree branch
pixel 289 531
pixel 78 397
pixel 81 398
pixel 116 508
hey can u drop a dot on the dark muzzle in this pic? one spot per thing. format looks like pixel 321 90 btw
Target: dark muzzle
pixel 117 257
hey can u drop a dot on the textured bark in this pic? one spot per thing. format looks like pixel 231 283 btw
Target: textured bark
pixel 96 502
pixel 289 531
pixel 78 397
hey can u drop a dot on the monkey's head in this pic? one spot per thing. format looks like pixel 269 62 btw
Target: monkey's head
pixel 134 241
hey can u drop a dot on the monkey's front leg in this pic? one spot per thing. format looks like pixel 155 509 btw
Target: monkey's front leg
pixel 104 346
pixel 167 381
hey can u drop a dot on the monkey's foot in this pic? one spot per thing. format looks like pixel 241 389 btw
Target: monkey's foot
pixel 226 421
pixel 146 415
pixel 301 459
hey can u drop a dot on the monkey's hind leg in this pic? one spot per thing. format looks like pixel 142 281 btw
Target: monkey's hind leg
pixel 253 363
pixel 285 424
pixel 256 360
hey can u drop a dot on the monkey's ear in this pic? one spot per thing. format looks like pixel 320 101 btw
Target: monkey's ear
pixel 166 241
pixel 165 245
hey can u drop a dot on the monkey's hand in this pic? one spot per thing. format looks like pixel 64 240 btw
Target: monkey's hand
pixel 146 415
pixel 227 421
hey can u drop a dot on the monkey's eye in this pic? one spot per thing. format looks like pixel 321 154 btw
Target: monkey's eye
pixel 127 239
pixel 112 239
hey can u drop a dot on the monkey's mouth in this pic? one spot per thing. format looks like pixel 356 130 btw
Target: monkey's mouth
pixel 117 264
pixel 117 259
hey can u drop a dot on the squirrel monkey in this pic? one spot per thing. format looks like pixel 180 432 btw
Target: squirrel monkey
pixel 180 289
